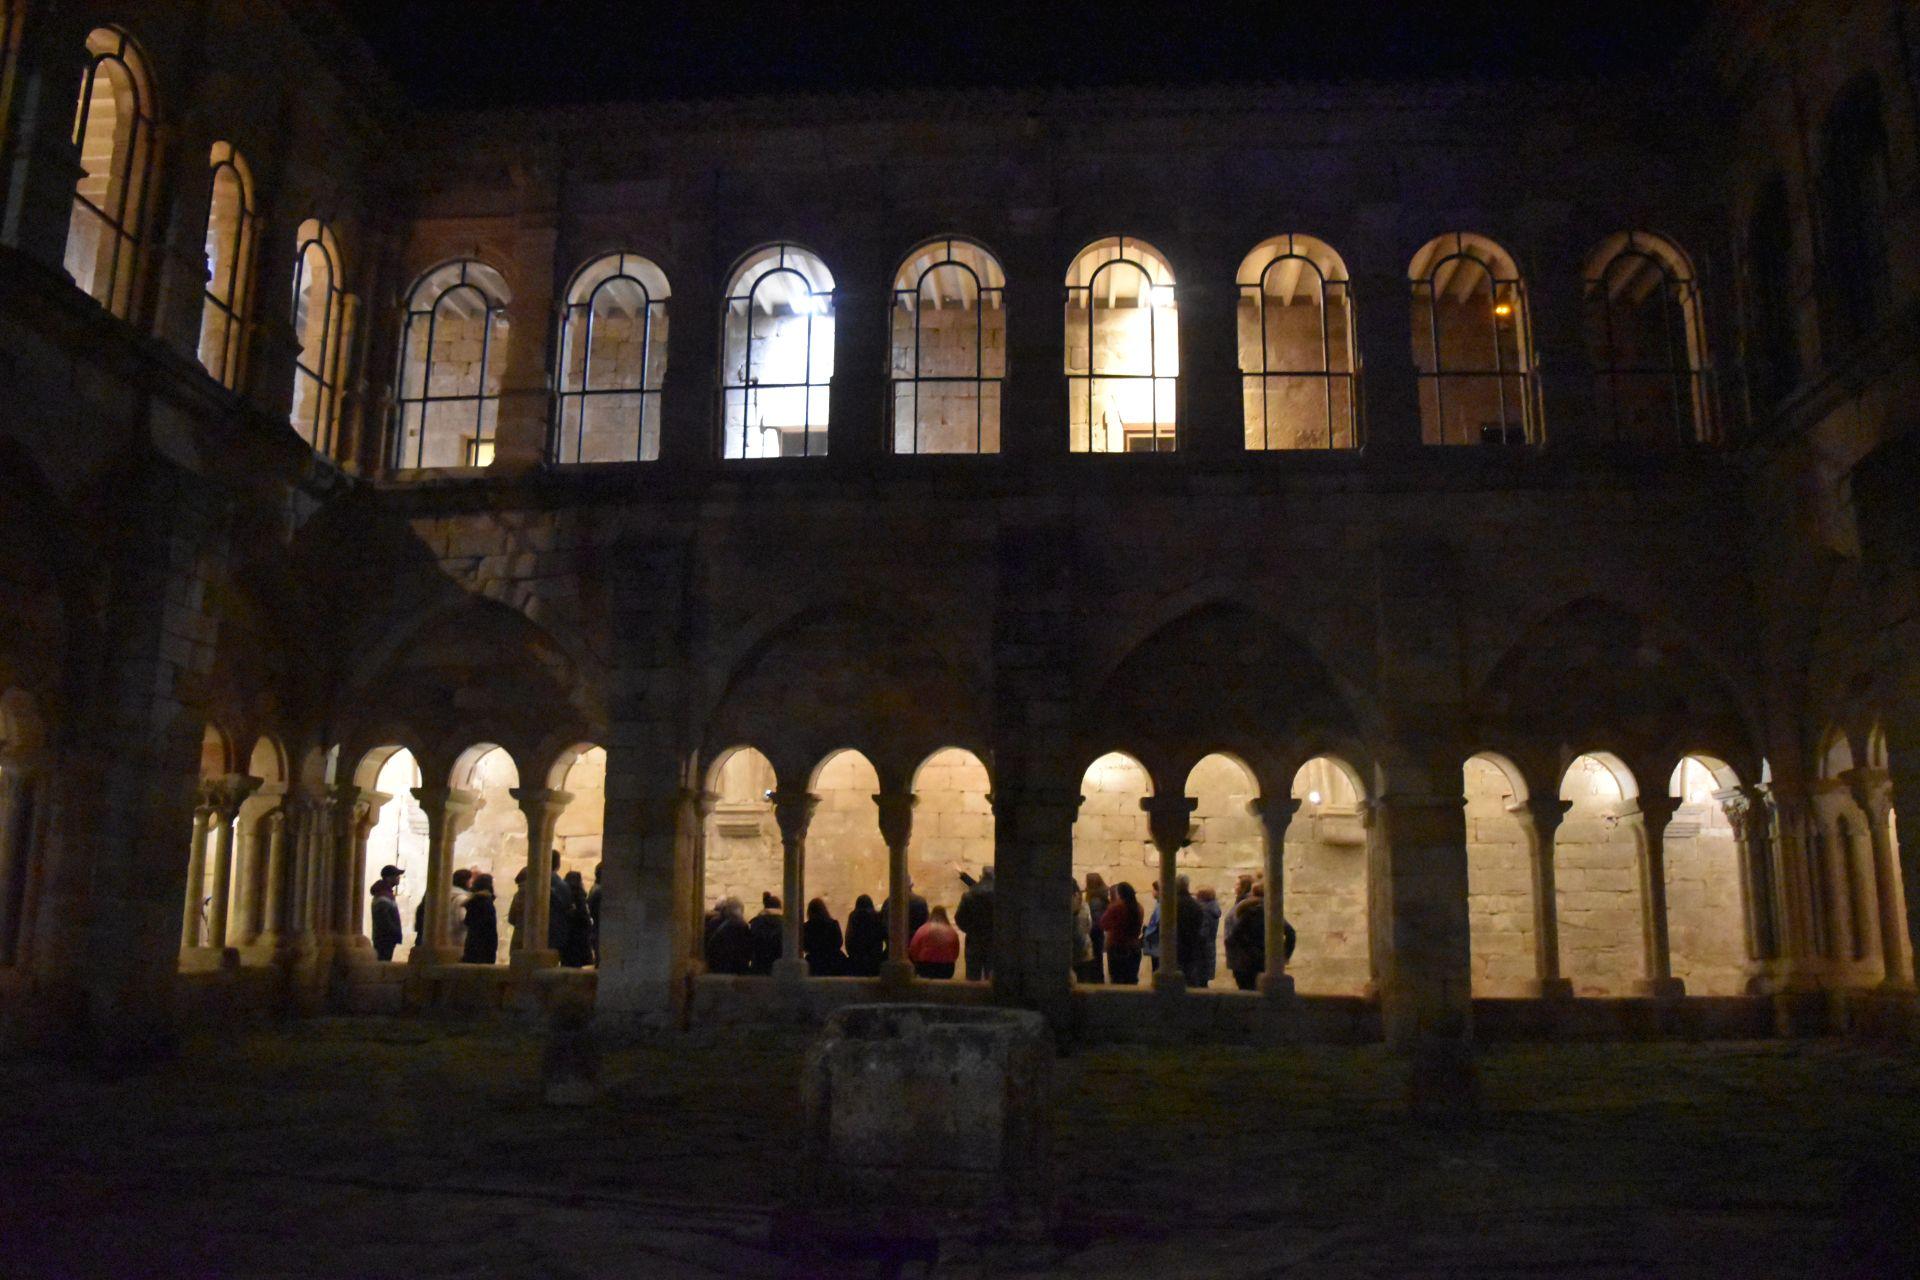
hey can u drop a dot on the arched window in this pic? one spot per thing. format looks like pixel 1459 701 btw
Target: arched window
pixel 1644 340
pixel 1773 344
pixel 1123 349
pixel 778 365
pixel 613 344
pixel 949 349
pixel 113 132
pixel 1853 211
pixel 452 351
pixel 321 322
pixel 230 232
pixel 1296 346
pixel 1472 347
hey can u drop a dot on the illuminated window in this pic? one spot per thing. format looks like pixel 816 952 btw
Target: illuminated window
pixel 113 131
pixel 613 357
pixel 1644 341
pixel 1853 212
pixel 452 353
pixel 230 232
pixel 949 349
pixel 1471 344
pixel 1123 349
pixel 321 324
pixel 1296 346
pixel 777 365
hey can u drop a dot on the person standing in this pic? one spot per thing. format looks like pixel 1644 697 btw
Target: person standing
pixel 1098 898
pixel 1206 958
pixel 1188 940
pixel 974 917
pixel 767 928
pixel 866 938
pixel 820 941
pixel 386 912
pixel 517 909
pixel 1150 933
pixel 1121 924
pixel 1082 930
pixel 935 947
pixel 593 911
pixel 482 923
pixel 456 910
pixel 729 941
pixel 1247 944
pixel 559 908
pixel 577 951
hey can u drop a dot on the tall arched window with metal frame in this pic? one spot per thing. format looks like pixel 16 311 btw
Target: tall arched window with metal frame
pixel 1645 342
pixel 1296 347
pixel 113 132
pixel 1472 344
pixel 229 291
pixel 322 325
pixel 452 355
pixel 1122 349
pixel 776 372
pixel 613 359
pixel 949 349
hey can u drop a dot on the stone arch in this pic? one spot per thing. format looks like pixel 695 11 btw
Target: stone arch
pixel 740 854
pixel 953 821
pixel 1707 890
pixel 1599 897
pixel 398 834
pixel 846 856
pixel 1501 885
pixel 1227 840
pixel 492 839
pixel 1110 835
pixel 1327 885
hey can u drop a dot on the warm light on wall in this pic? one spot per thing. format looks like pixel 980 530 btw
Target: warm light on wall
pixel 1503 309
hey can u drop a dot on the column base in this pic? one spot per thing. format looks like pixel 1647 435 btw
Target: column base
pixel 1170 981
pixel 521 962
pixel 1661 988
pixel 421 957
pixel 1551 989
pixel 788 973
pixel 1277 986
pixel 896 975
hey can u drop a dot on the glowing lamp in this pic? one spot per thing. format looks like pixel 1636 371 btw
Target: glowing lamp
pixel 1503 309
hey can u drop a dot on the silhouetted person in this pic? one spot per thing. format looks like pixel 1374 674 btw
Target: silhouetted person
pixel 866 938
pixel 1247 944
pixel 974 917
pixel 577 951
pixel 729 941
pixel 456 910
pixel 386 912
pixel 1206 957
pixel 820 941
pixel 483 924
pixel 1150 932
pixel 916 911
pixel 1083 930
pixel 934 946
pixel 1121 924
pixel 593 910
pixel 559 908
pixel 1188 940
pixel 517 909
pixel 766 929
pixel 1099 897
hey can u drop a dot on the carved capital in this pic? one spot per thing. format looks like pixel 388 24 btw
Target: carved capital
pixel 1169 821
pixel 793 811
pixel 1275 813
pixel 1872 790
pixel 896 817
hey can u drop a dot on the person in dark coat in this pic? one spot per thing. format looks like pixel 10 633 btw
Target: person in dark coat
pixel 559 908
pixel 517 908
pixel 729 941
pixel 1122 923
pixel 1247 943
pixel 483 924
pixel 866 938
pixel 767 928
pixel 593 910
pixel 974 917
pixel 820 941
pixel 1098 898
pixel 386 912
pixel 916 911
pixel 1190 916
pixel 577 951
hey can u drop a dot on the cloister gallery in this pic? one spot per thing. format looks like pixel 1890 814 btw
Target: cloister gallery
pixel 1506 562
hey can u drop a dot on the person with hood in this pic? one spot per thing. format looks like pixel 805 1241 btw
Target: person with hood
pixel 577 951
pixel 1098 898
pixel 729 941
pixel 866 938
pixel 935 947
pixel 1206 958
pixel 1121 924
pixel 386 912
pixel 482 924
pixel 767 928
pixel 1188 941
pixel 820 941
pixel 974 917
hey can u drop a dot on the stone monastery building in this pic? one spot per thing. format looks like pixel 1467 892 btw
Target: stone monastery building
pixel 1485 510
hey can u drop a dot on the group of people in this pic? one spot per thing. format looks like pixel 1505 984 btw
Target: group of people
pixel 1111 934
pixel 473 923
pixel 735 944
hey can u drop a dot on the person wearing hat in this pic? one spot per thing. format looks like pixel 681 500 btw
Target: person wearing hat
pixel 386 912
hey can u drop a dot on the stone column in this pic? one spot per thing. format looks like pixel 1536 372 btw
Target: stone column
pixel 1168 820
pixel 1830 842
pixel 352 813
pixel 1384 341
pixel 692 806
pixel 526 400
pixel 1873 792
pixel 42 163
pixel 1794 890
pixel 793 810
pixel 1276 816
pixel 447 808
pixel 196 870
pixel 543 809
pixel 230 795
pixel 1655 813
pixel 1747 813
pixel 1542 816
pixel 1906 853
pixel 896 828
pixel 1212 419
pixel 1032 861
pixel 274 929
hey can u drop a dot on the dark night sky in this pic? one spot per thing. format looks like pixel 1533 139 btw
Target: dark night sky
pixel 469 53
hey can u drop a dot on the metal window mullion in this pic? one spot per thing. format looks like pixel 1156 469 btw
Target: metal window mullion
pixel 486 353
pixel 646 364
pixel 1326 354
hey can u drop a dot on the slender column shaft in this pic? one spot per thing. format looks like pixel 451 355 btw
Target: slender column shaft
pixel 196 876
pixel 793 811
pixel 1873 792
pixel 220 860
pixel 274 910
pixel 896 828
pixel 542 809
pixel 1168 820
pixel 445 807
pixel 1276 814
pixel 1655 813
pixel 1544 816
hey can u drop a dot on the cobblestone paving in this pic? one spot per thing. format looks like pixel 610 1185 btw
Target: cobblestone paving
pixel 372 1148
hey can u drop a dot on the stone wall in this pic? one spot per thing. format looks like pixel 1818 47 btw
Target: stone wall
pixel 1597 880
pixel 1499 886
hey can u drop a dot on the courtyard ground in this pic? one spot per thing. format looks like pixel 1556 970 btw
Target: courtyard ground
pixel 372 1148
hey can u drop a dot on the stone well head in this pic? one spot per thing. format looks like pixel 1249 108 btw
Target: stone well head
pixel 930 1113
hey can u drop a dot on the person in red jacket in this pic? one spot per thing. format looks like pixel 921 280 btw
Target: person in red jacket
pixel 935 947
pixel 1121 925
